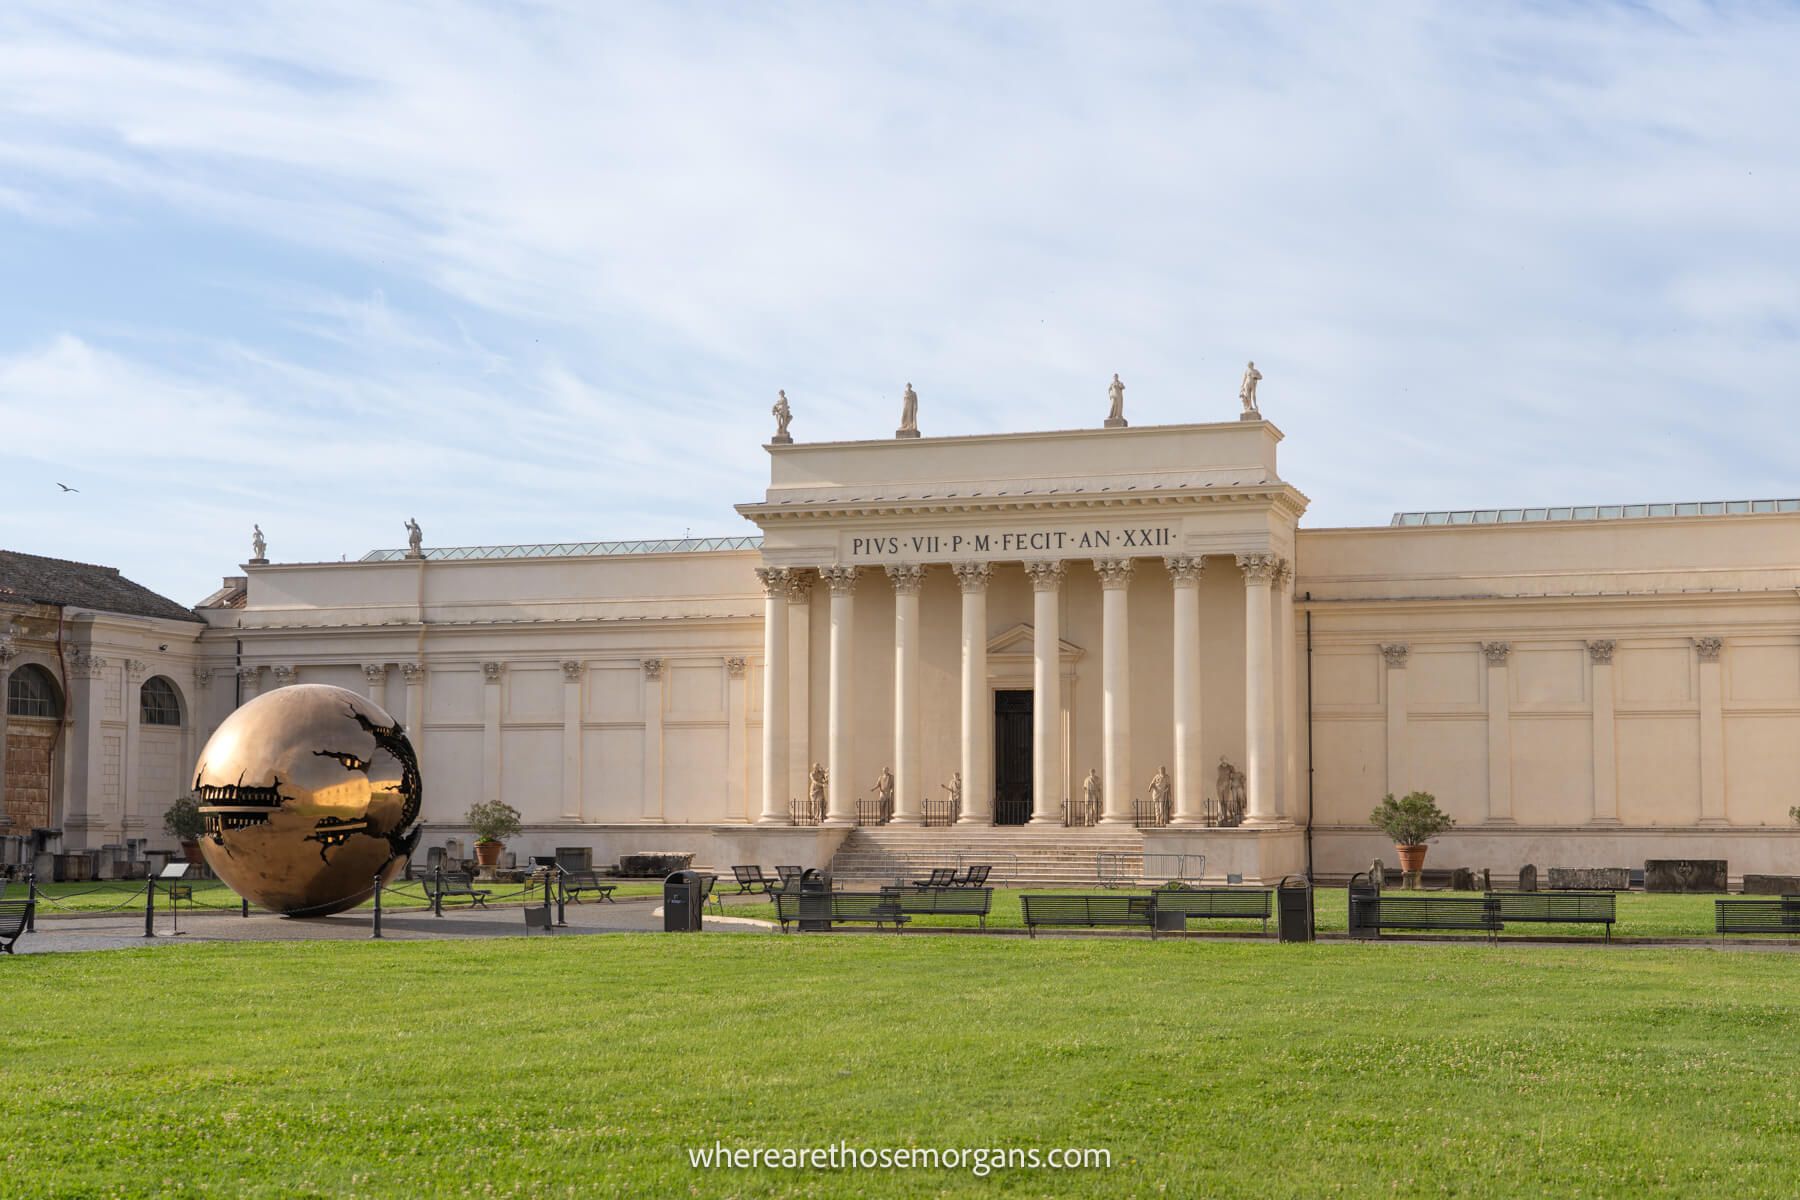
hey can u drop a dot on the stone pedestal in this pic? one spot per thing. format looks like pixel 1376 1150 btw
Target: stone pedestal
pixel 906 433
pixel 1115 423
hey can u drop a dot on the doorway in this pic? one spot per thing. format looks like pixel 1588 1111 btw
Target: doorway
pixel 1012 757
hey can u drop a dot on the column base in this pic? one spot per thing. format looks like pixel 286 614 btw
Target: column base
pixel 1039 820
pixel 837 822
pixel 1106 820
pixel 909 821
pixel 1188 823
pixel 976 819
pixel 766 821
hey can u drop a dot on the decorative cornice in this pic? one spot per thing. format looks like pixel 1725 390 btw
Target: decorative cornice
pixel 1395 653
pixel 1282 495
pixel 736 665
pixel 414 673
pixel 375 672
pixel 1046 576
pixel 1114 572
pixel 1258 568
pixel 799 586
pixel 973 577
pixel 571 670
pixel 1600 652
pixel 908 578
pixel 1496 652
pixel 840 578
pixel 491 671
pixel 1184 568
pixel 774 580
pixel 653 669
pixel 1708 648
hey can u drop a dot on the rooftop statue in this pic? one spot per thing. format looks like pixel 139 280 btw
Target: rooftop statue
pixel 1247 392
pixel 783 415
pixel 1115 417
pixel 415 539
pixel 259 549
pixel 909 414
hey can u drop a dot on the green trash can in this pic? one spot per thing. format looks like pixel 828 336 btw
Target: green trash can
pixel 1294 909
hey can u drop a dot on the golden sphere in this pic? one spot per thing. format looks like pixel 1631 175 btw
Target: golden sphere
pixel 307 792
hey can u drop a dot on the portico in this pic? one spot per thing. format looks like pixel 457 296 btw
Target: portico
pixel 1148 568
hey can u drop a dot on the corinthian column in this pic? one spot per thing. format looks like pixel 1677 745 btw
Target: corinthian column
pixel 1046 702
pixel 907 579
pixel 840 806
pixel 977 772
pixel 1115 684
pixel 1259 688
pixel 1190 789
pixel 775 695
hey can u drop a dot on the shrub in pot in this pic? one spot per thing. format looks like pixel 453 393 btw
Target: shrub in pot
pixel 184 823
pixel 1411 822
pixel 493 822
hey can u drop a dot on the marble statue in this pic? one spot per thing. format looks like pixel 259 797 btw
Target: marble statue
pixel 816 780
pixel 884 790
pixel 1091 790
pixel 909 414
pixel 954 787
pixel 1159 789
pixel 783 415
pixel 1247 391
pixel 1115 418
pixel 415 539
pixel 259 549
pixel 1232 794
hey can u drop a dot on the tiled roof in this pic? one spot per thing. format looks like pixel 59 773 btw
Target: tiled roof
pixel 35 579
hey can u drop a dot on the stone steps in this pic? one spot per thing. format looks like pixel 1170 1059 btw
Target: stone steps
pixel 1021 856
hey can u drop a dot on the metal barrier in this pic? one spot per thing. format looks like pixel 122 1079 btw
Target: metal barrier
pixel 1174 868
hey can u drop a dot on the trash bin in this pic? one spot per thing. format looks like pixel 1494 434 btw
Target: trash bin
pixel 815 900
pixel 681 902
pixel 1365 907
pixel 1294 909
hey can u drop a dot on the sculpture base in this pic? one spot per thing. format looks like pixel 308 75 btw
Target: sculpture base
pixel 906 433
pixel 1250 416
pixel 781 439
pixel 1115 423
pixel 257 562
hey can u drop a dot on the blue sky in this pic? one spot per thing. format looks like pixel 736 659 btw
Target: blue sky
pixel 534 272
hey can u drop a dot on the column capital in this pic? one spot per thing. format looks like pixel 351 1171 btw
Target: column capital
pixel 653 669
pixel 1184 568
pixel 1708 648
pixel 248 674
pixel 1284 572
pixel 202 676
pixel 1114 572
pixel 283 674
pixel 571 669
pixel 736 665
pixel 1046 576
pixel 799 586
pixel 1496 652
pixel 907 578
pixel 774 580
pixel 491 671
pixel 1600 652
pixel 1258 568
pixel 1395 653
pixel 84 664
pixel 840 578
pixel 374 672
pixel 413 673
pixel 973 577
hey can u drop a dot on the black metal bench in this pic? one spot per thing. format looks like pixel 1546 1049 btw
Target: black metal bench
pixel 447 886
pixel 943 902
pixel 752 879
pixel 976 876
pixel 15 918
pixel 577 882
pixel 1388 911
pixel 941 877
pixel 1091 911
pixel 1223 903
pixel 837 908
pixel 1757 914
pixel 1558 908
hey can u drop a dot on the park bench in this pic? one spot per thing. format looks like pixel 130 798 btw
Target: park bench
pixel 1388 911
pixel 450 885
pixel 834 908
pixel 752 879
pixel 15 918
pixel 577 882
pixel 1120 910
pixel 943 902
pixel 1557 908
pixel 789 876
pixel 941 877
pixel 1757 914
pixel 1222 903
pixel 974 877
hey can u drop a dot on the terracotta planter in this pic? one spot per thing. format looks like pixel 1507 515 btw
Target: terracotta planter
pixel 488 853
pixel 1412 858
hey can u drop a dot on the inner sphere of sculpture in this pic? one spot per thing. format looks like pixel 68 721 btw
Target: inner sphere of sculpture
pixel 307 792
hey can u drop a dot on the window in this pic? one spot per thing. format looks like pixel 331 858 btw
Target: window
pixel 30 692
pixel 158 704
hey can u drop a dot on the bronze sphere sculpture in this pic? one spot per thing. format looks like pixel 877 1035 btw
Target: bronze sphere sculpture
pixel 307 792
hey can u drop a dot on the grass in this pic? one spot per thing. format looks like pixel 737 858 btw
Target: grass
pixel 1639 915
pixel 588 1066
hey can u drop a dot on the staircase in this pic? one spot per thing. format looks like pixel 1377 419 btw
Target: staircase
pixel 1021 856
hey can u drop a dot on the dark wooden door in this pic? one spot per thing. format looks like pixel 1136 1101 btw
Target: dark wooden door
pixel 1012 758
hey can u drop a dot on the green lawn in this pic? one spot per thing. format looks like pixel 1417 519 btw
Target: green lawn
pixel 1639 915
pixel 589 1066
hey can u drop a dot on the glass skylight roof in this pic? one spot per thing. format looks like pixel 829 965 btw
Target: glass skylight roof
pixel 1595 512
pixel 575 549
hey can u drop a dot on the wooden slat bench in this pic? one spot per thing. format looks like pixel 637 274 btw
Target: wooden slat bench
pixel 15 916
pixel 943 902
pixel 1389 911
pixel 1757 914
pixel 1247 903
pixel 1558 908
pixel 577 882
pixel 751 879
pixel 450 886
pixel 1126 911
pixel 837 908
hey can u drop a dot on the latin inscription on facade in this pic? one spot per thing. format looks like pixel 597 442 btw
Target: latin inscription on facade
pixel 1020 543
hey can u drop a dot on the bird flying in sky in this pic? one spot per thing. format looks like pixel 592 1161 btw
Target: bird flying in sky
pixel 65 487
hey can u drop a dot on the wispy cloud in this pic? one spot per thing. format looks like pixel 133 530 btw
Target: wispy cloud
pixel 537 270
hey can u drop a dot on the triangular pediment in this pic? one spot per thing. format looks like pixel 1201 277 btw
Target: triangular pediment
pixel 1022 637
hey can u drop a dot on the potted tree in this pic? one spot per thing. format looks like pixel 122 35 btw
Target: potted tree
pixel 184 823
pixel 493 822
pixel 1410 822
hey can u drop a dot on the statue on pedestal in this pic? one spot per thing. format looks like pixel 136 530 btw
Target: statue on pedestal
pixel 259 549
pixel 1091 792
pixel 415 539
pixel 816 780
pixel 909 414
pixel 1247 394
pixel 1232 794
pixel 1115 418
pixel 1159 792
pixel 783 415
pixel 954 787
pixel 884 792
